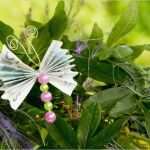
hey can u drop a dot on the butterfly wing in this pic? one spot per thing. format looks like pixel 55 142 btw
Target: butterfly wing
pixel 57 64
pixel 17 78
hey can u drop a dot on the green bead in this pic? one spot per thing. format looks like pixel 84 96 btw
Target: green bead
pixel 48 106
pixel 44 87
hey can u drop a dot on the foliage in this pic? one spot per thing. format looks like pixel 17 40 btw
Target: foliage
pixel 110 106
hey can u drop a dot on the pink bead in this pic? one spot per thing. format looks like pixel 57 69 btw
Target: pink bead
pixel 43 78
pixel 50 117
pixel 46 96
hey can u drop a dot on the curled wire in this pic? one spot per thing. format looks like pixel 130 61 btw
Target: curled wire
pixel 31 32
pixel 12 42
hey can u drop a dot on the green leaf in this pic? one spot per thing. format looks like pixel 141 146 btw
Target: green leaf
pixel 138 49
pixel 125 24
pixel 5 30
pixel 29 21
pixel 58 23
pixel 125 106
pixel 63 134
pixel 108 98
pixel 105 53
pixel 51 30
pixel 136 75
pixel 95 42
pixel 144 9
pixel 147 121
pixel 122 52
pixel 67 43
pixel 89 122
pixel 106 135
pixel 96 37
pixel 133 140
pixel 43 41
pixel 102 71
pixel 43 134
pixel 97 33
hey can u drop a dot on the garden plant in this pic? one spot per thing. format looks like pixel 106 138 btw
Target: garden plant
pixel 109 108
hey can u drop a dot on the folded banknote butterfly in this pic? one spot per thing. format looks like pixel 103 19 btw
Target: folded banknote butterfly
pixel 19 78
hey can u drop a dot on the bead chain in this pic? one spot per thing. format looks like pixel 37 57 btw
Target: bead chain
pixel 46 98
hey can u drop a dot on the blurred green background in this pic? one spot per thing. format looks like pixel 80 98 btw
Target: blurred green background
pixel 83 14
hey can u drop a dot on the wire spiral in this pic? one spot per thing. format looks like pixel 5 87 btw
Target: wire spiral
pixel 31 32
pixel 12 42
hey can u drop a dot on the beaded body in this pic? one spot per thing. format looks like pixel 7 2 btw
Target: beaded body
pixel 46 97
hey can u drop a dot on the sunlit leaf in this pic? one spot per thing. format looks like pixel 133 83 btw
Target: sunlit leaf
pixel 51 30
pixel 122 52
pixel 58 23
pixel 125 24
pixel 108 98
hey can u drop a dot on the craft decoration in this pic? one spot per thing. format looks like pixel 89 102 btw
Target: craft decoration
pixel 19 78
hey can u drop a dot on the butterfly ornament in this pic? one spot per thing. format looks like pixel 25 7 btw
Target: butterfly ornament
pixel 19 78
